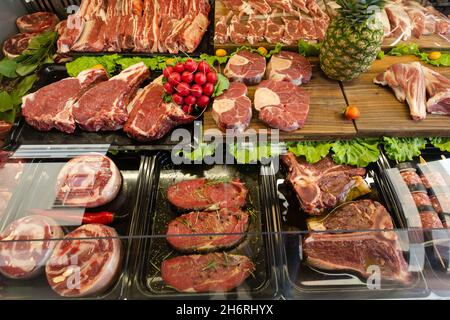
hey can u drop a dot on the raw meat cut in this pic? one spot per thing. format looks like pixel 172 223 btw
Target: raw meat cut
pixel 69 32
pixel 37 22
pixel 233 109
pixel 274 31
pixel 300 5
pixel 356 215
pixel 185 232
pixel 151 118
pixel 5 127
pixel 442 23
pixel 202 194
pixel 246 67
pixel 20 256
pixel 221 34
pixel 238 30
pixel 401 26
pixel 417 20
pixel 320 186
pixel 289 66
pixel 92 37
pixel 104 107
pixel 259 6
pixel 430 220
pixel 16 45
pixel 86 262
pixel 214 272
pixel 438 89
pixel 281 105
pixel 357 252
pixel 89 181
pixel 51 106
pixel 257 27
pixel 407 81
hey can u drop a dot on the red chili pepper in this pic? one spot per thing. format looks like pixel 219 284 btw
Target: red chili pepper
pixel 104 217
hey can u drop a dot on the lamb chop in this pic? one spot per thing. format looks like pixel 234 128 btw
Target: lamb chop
pixel 438 89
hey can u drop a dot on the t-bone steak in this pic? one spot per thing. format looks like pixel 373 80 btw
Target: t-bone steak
pixel 214 272
pixel 150 117
pixel 89 181
pixel 233 109
pixel 320 186
pixel 26 245
pixel 282 105
pixel 203 194
pixel 231 224
pixel 37 22
pixel 86 262
pixel 246 67
pixel 289 66
pixel 51 106
pixel 104 107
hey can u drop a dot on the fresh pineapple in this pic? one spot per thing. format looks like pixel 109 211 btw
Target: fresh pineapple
pixel 353 39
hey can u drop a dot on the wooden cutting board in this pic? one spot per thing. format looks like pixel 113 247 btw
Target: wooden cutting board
pixel 382 113
pixel 325 120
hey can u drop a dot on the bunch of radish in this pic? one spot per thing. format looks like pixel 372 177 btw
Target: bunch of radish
pixel 190 84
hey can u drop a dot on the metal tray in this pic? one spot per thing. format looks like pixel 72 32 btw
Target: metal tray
pixel 152 248
pixel 303 281
pixel 23 134
pixel 35 182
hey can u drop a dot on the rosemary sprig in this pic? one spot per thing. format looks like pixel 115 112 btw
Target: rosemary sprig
pixel 211 265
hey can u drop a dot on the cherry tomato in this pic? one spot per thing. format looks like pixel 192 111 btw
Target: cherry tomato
pixel 168 88
pixel 187 109
pixel 167 72
pixel 187 77
pixel 178 99
pixel 208 89
pixel 190 100
pixel 200 78
pixel 183 89
pixel 190 65
pixel 204 67
pixel 203 101
pixel 352 113
pixel 174 78
pixel 196 90
pixel 179 67
pixel 212 77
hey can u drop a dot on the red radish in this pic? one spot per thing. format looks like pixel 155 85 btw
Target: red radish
pixel 174 78
pixel 183 89
pixel 203 101
pixel 204 67
pixel 179 67
pixel 190 65
pixel 187 109
pixel 208 89
pixel 168 88
pixel 196 90
pixel 190 100
pixel 187 77
pixel 212 77
pixel 179 100
pixel 200 78
pixel 167 72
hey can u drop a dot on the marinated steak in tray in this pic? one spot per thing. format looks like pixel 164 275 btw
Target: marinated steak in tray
pixel 52 106
pixel 323 185
pixel 203 194
pixel 289 66
pixel 246 67
pixel 231 224
pixel 86 262
pixel 212 272
pixel 88 181
pixel 104 107
pixel 26 245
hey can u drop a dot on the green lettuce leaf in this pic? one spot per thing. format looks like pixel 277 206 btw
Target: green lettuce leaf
pixel 403 149
pixel 6 103
pixel 222 84
pixel 87 62
pixel 313 151
pixel 22 88
pixel 309 49
pixel 249 153
pixel 405 49
pixel 357 152
pixel 442 143
pixel 8 68
pixel 203 150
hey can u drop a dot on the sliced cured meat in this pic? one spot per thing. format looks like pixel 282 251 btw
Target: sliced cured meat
pixel 246 67
pixel 231 224
pixel 417 19
pixel 257 27
pixel 284 5
pixel 289 66
pixel 16 45
pixel 37 22
pixel 51 106
pixel 104 107
pixel 233 109
pixel 320 186
pixel 92 37
pixel 89 181
pixel 386 24
pixel 214 272
pixel 401 26
pixel 357 215
pixel 150 118
pixel 20 256
pixel 357 252
pixel 293 31
pixel 282 105
pixel 438 89
pixel 202 194
pixel 238 30
pixel 274 31
pixel 408 82
pixel 86 262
